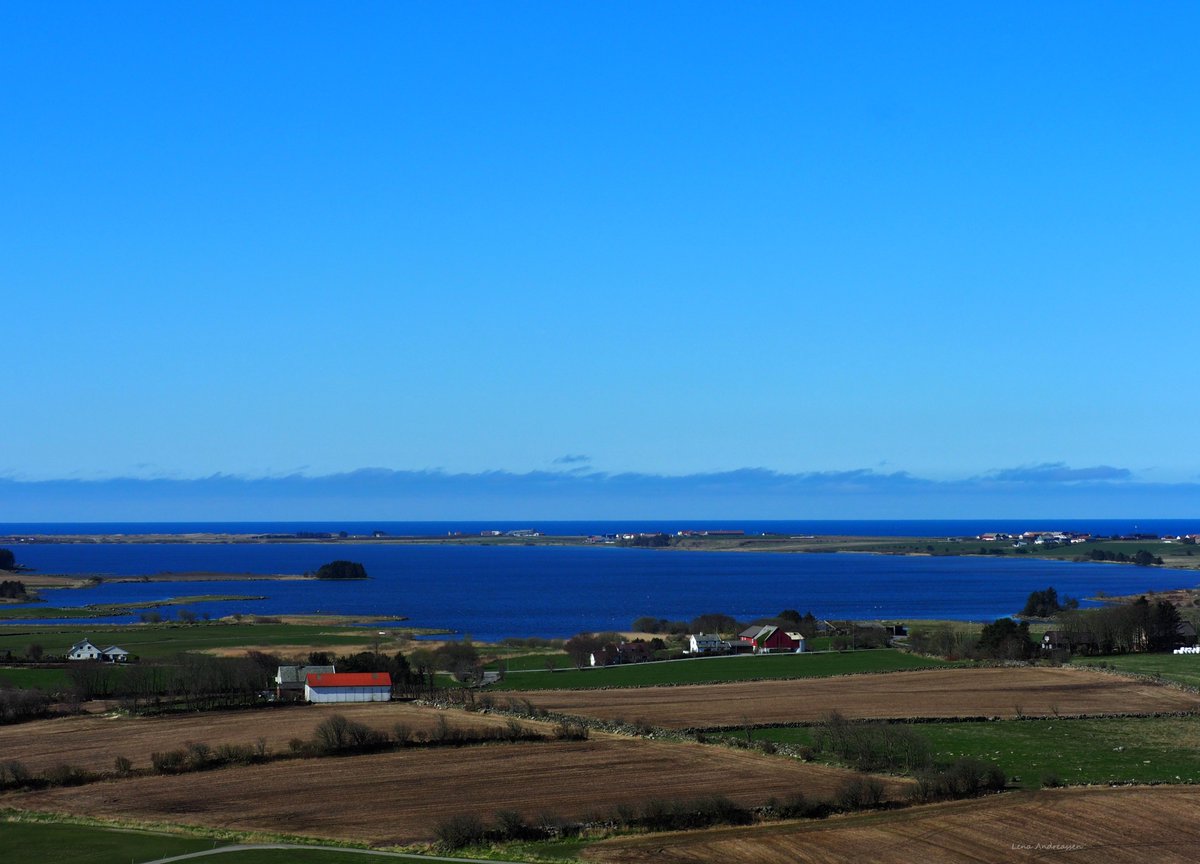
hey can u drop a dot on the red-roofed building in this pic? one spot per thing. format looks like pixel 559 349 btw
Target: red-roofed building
pixel 348 687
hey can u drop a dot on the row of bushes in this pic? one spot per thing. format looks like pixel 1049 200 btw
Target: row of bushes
pixel 463 830
pixel 14 775
pixel 197 756
pixel 467 829
pixel 873 746
pixel 17 705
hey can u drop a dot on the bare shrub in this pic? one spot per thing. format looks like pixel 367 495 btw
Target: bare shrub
pixel 457 832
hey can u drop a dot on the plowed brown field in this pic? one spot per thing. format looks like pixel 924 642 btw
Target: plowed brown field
pixel 399 797
pixel 94 742
pixel 1114 826
pixel 933 693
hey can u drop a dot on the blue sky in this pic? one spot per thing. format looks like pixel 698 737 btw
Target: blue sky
pixel 264 239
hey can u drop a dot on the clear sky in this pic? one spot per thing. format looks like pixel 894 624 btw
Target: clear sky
pixel 258 239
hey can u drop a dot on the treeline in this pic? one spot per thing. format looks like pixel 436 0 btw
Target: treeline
pixel 718 622
pixel 900 749
pixel 201 682
pixel 1141 557
pixel 187 681
pixel 18 704
pixel 1003 639
pixel 1137 626
pixel 12 589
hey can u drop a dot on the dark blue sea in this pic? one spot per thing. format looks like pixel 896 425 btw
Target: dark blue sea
pixel 492 592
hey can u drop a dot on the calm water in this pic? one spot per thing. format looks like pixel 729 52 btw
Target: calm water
pixel 494 592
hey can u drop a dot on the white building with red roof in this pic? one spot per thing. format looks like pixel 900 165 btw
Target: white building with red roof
pixel 348 687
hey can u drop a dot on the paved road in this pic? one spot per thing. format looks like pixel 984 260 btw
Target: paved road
pixel 248 847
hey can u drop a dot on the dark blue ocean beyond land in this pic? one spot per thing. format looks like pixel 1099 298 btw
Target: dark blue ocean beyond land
pixel 492 592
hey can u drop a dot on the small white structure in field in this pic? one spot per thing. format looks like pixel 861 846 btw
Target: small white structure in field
pixel 348 687
pixel 115 654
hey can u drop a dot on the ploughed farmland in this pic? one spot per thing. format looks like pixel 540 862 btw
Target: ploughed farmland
pixel 1085 825
pixel 399 797
pixel 937 693
pixel 93 742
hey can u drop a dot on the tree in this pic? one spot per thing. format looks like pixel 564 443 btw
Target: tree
pixel 8 561
pixel 1046 604
pixel 1005 639
pixel 791 615
pixel 34 652
pixel 581 648
pixel 714 622
pixel 342 570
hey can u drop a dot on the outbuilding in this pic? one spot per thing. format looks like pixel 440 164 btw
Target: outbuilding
pixel 348 687
pixel 290 680
pixel 768 639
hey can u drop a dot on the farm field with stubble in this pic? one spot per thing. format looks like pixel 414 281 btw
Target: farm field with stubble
pixel 1081 826
pixel 939 693
pixel 343 798
pixel 93 742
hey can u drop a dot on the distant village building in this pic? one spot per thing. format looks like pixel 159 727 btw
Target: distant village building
pixel 322 687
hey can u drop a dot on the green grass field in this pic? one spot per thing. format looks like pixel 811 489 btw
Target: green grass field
pixel 1136 750
pixel 165 640
pixel 536 662
pixel 298 856
pixel 35 842
pixel 38 842
pixel 738 668
pixel 1181 668
pixel 105 610
pixel 48 680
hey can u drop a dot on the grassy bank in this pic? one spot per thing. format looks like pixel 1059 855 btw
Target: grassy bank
pixel 1134 750
pixel 165 640
pixel 1180 668
pixel 719 669
pixel 107 610
pixel 63 843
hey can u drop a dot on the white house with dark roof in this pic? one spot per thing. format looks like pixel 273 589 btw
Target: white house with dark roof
pixel 706 643
pixel 84 650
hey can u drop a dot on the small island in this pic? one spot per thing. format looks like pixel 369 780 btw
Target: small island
pixel 341 570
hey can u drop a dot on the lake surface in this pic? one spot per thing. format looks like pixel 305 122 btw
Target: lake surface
pixel 492 592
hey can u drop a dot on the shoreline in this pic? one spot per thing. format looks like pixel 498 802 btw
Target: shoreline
pixel 1175 556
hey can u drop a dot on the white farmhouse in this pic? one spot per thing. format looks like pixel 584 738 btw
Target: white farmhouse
pixel 84 650
pixel 706 643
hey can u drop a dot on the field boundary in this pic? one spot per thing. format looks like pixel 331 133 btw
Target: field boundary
pixel 946 664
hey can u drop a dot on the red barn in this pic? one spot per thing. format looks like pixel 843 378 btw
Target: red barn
pixel 768 638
